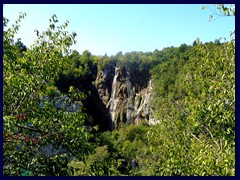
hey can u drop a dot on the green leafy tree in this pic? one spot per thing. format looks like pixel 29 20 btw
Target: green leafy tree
pixel 197 122
pixel 38 138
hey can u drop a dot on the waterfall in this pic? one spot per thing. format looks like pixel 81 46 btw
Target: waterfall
pixel 150 84
pixel 142 104
pixel 146 101
pixel 113 101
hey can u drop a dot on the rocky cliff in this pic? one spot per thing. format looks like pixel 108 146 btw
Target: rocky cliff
pixel 125 96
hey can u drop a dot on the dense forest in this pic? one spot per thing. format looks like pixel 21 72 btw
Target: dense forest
pixel 161 113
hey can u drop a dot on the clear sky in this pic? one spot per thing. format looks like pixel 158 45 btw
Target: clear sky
pixel 104 28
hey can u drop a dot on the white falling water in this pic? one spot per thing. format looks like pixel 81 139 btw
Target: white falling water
pixel 143 103
pixel 146 98
pixel 150 84
pixel 113 101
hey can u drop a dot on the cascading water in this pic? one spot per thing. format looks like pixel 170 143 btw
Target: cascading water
pixel 145 102
pixel 150 84
pixel 113 101
pixel 142 105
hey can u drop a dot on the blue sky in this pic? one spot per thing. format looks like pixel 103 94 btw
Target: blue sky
pixel 112 28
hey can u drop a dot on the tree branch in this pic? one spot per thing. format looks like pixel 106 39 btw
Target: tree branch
pixel 29 128
pixel 212 136
pixel 195 137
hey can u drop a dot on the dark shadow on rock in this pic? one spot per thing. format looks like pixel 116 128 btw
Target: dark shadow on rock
pixel 93 105
pixel 97 110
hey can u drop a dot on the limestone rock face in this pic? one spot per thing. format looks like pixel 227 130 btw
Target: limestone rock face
pixel 125 102
pixel 61 102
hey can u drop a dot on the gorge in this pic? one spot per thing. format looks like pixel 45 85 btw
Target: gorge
pixel 125 103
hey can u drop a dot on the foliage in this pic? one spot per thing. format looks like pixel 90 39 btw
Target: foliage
pixel 194 100
pixel 98 163
pixel 39 139
pixel 77 71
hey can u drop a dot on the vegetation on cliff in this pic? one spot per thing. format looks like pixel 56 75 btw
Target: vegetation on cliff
pixel 193 88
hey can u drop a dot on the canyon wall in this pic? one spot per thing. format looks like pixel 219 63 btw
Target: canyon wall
pixel 126 100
